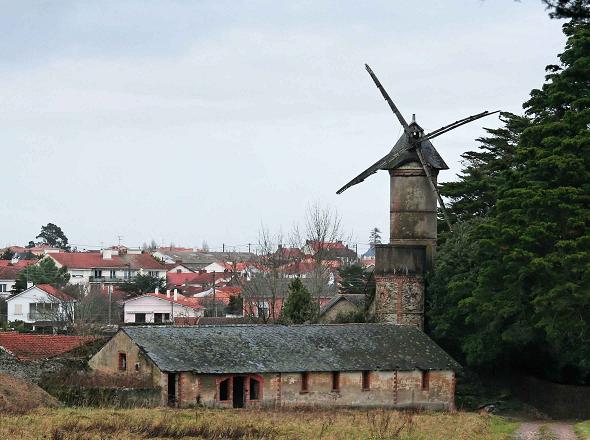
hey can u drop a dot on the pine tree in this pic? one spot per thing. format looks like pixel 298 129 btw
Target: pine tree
pixel 299 307
pixel 44 272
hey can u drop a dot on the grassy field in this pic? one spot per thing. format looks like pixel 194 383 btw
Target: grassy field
pixel 583 430
pixel 86 423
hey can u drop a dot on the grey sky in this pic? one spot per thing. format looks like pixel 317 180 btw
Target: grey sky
pixel 186 121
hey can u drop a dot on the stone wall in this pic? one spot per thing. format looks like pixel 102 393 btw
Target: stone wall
pixel 399 299
pixel 387 389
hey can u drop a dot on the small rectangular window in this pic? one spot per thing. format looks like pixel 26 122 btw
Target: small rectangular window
pixel 254 389
pixel 224 389
pixel 122 361
pixel 304 382
pixel 425 380
pixel 2 287
pixel 366 380
pixel 335 381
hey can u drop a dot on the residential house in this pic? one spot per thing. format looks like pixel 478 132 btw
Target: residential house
pixel 160 308
pixel 331 251
pixel 41 304
pixel 9 270
pixel 346 365
pixel 342 305
pixel 196 260
pixel 108 266
pixel 264 296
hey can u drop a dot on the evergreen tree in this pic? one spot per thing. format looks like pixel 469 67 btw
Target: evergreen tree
pixel 513 288
pixel 7 254
pixel 353 279
pixel 141 284
pixel 53 236
pixel 44 272
pixel 299 307
pixel 375 236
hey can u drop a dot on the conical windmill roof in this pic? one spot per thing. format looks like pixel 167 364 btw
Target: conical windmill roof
pixel 430 154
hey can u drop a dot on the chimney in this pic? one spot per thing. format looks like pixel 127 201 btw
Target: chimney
pixel 157 290
pixel 107 254
pixel 29 284
pixel 175 294
pixel 167 293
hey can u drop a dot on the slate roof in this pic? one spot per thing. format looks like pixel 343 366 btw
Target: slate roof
pixel 357 299
pixel 234 349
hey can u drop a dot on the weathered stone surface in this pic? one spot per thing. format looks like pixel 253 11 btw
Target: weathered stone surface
pixel 399 299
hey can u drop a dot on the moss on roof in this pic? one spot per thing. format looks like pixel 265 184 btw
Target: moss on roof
pixel 279 348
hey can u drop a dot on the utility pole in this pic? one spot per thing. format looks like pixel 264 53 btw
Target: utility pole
pixel 248 247
pixel 110 302
pixel 119 237
pixel 223 247
pixel 214 297
pixel 356 250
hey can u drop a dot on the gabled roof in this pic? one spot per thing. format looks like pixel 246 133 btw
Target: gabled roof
pixel 91 260
pixel 180 300
pixel 357 299
pixel 50 290
pixel 29 346
pixel 236 349
pixel 9 272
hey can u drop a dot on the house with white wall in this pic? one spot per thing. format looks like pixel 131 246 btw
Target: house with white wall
pixel 108 266
pixel 159 308
pixel 41 302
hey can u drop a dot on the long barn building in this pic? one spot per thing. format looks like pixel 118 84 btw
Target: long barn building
pixel 363 365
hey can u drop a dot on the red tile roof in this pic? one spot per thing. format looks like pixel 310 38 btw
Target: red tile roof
pixel 56 293
pixel 91 260
pixel 179 279
pixel 29 347
pixel 9 273
pixel 20 263
pixel 182 300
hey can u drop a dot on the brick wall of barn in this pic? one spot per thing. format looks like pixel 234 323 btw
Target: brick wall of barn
pixel 401 389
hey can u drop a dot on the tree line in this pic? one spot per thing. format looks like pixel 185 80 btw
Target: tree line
pixel 511 286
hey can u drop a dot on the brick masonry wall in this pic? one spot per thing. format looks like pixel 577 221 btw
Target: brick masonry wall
pixel 387 388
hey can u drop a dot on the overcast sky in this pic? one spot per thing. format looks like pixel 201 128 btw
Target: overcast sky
pixel 190 121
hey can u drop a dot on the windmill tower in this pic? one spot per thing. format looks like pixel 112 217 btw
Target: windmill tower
pixel 400 266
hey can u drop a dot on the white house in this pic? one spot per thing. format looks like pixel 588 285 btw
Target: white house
pixel 159 308
pixel 42 302
pixel 107 266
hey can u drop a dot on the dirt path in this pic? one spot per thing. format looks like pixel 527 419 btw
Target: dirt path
pixel 542 430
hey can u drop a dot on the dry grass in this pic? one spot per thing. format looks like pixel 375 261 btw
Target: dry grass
pixel 18 396
pixel 66 424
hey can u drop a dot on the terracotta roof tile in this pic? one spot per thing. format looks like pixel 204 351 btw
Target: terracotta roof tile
pixel 30 347
pixel 90 260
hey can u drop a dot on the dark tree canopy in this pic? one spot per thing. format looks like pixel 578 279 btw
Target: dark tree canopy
pixel 299 307
pixel 7 254
pixel 141 284
pixel 512 283
pixel 44 272
pixel 375 236
pixel 573 9
pixel 53 236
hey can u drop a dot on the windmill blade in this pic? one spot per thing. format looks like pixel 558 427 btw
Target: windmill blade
pixel 372 169
pixel 456 124
pixel 433 186
pixel 389 100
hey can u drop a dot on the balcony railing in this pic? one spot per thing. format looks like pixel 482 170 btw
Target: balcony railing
pixel 109 279
pixel 42 316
